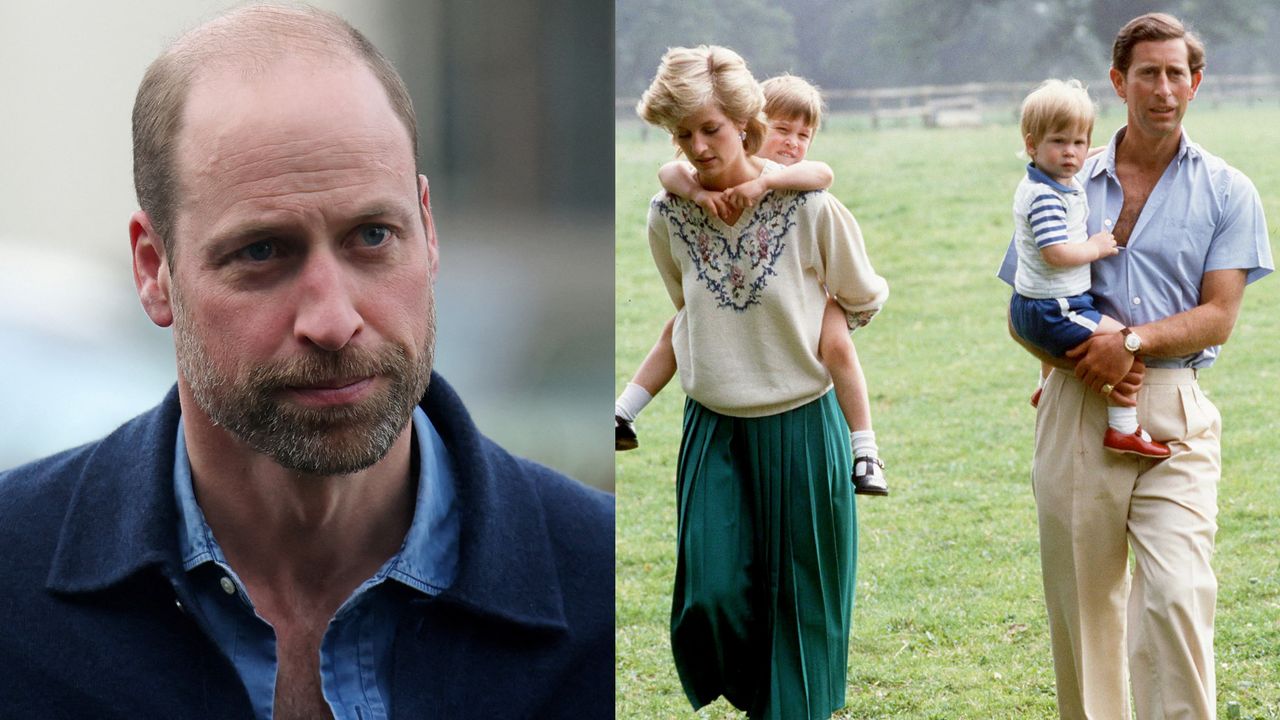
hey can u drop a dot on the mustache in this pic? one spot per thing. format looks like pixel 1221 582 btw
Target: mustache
pixel 320 367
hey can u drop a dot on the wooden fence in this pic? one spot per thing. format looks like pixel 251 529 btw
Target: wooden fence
pixel 973 104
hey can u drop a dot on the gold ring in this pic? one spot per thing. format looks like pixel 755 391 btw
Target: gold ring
pixel 1107 388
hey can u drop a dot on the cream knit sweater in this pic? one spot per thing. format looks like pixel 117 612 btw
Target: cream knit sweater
pixel 750 296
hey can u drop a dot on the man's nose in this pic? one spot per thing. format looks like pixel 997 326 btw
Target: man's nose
pixel 1163 85
pixel 326 314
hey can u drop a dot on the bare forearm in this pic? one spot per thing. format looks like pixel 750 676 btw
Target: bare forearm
pixel 804 175
pixel 1187 332
pixel 1209 323
pixel 678 179
pixel 1069 254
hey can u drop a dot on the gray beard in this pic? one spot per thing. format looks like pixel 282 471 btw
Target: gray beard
pixel 313 441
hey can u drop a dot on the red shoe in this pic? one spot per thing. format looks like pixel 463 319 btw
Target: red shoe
pixel 1035 398
pixel 1134 444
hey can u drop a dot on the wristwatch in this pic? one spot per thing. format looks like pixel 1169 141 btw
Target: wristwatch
pixel 1132 342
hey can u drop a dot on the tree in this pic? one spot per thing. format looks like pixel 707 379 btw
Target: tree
pixel 760 30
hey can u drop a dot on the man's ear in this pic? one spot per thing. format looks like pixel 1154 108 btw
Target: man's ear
pixel 433 249
pixel 1117 82
pixel 150 269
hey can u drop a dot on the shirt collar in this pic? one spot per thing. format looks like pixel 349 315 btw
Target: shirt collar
pixel 1035 174
pixel 121 517
pixel 427 560
pixel 1107 164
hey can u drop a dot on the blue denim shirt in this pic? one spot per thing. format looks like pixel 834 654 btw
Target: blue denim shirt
pixel 355 653
pixel 1202 215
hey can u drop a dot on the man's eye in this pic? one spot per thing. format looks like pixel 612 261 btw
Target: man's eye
pixel 260 251
pixel 374 235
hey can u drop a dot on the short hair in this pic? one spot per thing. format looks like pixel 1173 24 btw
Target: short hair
pixel 689 79
pixel 1055 105
pixel 788 96
pixel 1155 26
pixel 250 37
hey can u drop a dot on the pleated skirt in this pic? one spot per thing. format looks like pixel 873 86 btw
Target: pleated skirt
pixel 766 553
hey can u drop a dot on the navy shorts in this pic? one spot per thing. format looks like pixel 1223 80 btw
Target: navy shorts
pixel 1054 325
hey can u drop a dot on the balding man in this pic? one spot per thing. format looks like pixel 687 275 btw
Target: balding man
pixel 309 525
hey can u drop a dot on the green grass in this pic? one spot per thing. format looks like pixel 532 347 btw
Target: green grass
pixel 949 619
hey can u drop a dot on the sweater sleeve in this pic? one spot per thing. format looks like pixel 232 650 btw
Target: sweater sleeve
pixel 660 247
pixel 845 268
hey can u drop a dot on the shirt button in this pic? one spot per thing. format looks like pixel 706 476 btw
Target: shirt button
pixel 1107 222
pixel 228 586
pixel 1137 301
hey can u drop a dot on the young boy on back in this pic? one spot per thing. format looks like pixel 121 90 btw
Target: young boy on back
pixel 1051 307
pixel 793 109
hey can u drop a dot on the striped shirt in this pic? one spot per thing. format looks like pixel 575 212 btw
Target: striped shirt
pixel 1046 212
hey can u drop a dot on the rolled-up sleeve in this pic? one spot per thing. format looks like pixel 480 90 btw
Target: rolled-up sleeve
pixel 845 267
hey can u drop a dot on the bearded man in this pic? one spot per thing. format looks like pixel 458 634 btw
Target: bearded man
pixel 309 525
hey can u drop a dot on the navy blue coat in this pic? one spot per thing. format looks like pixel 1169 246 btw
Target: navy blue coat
pixel 91 626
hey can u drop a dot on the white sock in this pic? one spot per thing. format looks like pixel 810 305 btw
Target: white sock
pixel 864 443
pixel 1123 419
pixel 631 402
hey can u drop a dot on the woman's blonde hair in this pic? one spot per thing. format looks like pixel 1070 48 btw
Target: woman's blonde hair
pixel 1057 105
pixel 689 79
pixel 790 97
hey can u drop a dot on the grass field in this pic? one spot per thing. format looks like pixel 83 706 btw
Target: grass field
pixel 949 618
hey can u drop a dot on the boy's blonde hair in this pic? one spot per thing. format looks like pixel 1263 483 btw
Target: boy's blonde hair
pixel 788 97
pixel 1057 105
pixel 689 79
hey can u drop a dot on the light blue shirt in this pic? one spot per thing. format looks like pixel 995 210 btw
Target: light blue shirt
pixel 355 653
pixel 1202 215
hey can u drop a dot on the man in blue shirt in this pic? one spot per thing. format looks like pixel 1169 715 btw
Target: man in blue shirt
pixel 309 526
pixel 1192 235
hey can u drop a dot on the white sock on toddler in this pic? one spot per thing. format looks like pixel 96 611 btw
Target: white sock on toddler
pixel 631 402
pixel 864 443
pixel 1124 420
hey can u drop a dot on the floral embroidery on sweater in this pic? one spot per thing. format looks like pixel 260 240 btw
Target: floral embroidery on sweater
pixel 735 269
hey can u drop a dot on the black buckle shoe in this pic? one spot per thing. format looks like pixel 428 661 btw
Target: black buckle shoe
pixel 624 434
pixel 868 476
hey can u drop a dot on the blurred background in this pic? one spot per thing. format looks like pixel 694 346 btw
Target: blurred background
pixel 959 62
pixel 516 136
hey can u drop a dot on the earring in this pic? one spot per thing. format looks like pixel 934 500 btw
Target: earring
pixel 742 135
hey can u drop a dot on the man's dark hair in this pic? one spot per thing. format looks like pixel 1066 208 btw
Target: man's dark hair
pixel 1155 26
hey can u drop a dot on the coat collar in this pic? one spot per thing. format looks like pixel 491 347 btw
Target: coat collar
pixel 122 517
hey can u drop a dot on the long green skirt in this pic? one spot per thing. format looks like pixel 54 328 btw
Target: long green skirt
pixel 766 551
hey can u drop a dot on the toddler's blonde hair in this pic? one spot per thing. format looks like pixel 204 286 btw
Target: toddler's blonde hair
pixel 1057 105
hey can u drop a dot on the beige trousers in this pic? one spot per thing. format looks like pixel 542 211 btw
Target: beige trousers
pixel 1093 506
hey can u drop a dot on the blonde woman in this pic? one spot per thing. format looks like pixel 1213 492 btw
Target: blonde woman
pixel 766 546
